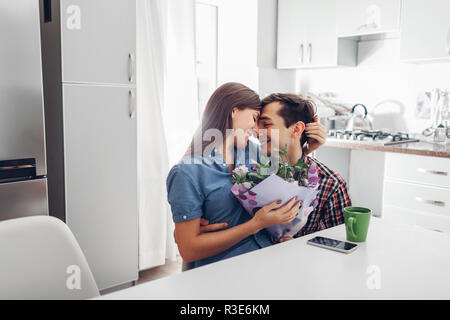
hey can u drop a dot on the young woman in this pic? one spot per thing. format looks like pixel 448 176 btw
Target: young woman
pixel 199 186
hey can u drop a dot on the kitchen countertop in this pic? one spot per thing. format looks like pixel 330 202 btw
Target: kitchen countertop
pixel 422 148
pixel 397 262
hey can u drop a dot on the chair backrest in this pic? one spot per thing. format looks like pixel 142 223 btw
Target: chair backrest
pixel 40 259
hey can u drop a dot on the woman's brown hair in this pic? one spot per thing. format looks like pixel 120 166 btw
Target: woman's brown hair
pixel 217 114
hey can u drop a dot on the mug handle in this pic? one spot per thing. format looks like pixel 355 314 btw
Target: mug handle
pixel 351 222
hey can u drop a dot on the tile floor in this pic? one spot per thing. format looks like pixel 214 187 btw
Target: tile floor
pixel 170 268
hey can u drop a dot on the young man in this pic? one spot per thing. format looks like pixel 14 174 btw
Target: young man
pixel 291 115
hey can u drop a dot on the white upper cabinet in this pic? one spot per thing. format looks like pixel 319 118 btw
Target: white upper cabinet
pixel 99 42
pixel 291 33
pixel 363 17
pixel 307 36
pixel 425 30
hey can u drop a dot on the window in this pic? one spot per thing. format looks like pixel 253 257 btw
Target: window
pixel 206 50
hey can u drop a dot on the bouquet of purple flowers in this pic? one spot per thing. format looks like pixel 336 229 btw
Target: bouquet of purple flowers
pixel 260 187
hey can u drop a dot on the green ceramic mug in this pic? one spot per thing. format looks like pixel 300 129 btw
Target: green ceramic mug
pixel 357 221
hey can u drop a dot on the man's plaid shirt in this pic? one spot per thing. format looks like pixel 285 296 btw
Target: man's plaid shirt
pixel 333 198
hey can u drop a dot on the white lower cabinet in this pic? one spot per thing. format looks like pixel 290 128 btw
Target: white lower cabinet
pixel 417 191
pixel 416 218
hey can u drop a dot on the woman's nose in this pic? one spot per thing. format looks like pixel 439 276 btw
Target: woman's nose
pixel 255 130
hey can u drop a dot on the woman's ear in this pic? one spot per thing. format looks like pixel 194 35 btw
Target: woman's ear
pixel 299 128
pixel 234 112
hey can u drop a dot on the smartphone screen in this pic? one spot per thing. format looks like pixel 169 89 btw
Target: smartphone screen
pixel 333 243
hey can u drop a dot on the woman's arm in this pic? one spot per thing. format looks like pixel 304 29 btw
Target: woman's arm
pixel 317 135
pixel 194 245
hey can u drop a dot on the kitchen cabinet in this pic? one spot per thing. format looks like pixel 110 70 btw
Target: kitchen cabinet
pixel 97 35
pixel 101 178
pixel 425 30
pixel 419 185
pixel 307 36
pixel 362 17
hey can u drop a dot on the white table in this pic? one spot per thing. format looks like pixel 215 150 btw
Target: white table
pixel 412 263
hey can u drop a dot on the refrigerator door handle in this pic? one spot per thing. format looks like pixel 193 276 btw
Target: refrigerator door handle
pixel 448 40
pixel 132 104
pixel 131 68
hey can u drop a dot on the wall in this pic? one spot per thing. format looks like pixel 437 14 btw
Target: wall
pixel 270 79
pixel 237 47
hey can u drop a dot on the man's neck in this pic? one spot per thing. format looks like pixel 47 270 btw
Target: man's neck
pixel 295 153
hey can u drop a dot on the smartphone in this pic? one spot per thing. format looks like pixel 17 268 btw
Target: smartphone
pixel 336 245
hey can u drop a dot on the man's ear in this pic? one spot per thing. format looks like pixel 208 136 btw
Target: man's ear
pixel 299 128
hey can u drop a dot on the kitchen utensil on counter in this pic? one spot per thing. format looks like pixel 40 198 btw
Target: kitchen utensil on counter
pixel 448 129
pixel 336 122
pixel 389 114
pixel 435 97
pixel 439 110
pixel 358 121
pixel 325 114
pixel 440 134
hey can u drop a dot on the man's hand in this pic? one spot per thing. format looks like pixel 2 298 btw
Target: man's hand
pixel 317 135
pixel 206 227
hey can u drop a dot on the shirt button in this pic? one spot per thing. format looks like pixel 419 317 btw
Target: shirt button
pixel 184 217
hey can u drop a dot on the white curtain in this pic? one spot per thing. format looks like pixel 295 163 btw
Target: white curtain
pixel 167 100
pixel 181 114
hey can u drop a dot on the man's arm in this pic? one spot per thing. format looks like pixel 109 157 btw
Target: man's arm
pixel 333 211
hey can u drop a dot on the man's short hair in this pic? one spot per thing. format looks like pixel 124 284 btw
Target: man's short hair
pixel 295 108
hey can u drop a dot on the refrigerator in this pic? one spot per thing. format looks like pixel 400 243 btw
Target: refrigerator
pixel 23 170
pixel 89 75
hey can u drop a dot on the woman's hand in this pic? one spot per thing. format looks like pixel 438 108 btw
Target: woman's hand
pixel 270 216
pixel 317 135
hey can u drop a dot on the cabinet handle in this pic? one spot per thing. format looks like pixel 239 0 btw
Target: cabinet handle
pixel 131 70
pixel 439 173
pixel 310 52
pixel 302 53
pixel 432 202
pixel 131 104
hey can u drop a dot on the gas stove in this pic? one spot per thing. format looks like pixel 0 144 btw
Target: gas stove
pixel 378 137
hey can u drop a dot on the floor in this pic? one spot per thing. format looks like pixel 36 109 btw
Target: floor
pixel 170 268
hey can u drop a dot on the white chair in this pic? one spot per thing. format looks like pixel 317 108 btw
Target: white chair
pixel 40 259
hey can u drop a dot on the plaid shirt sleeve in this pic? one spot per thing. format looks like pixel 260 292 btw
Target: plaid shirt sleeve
pixel 333 198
